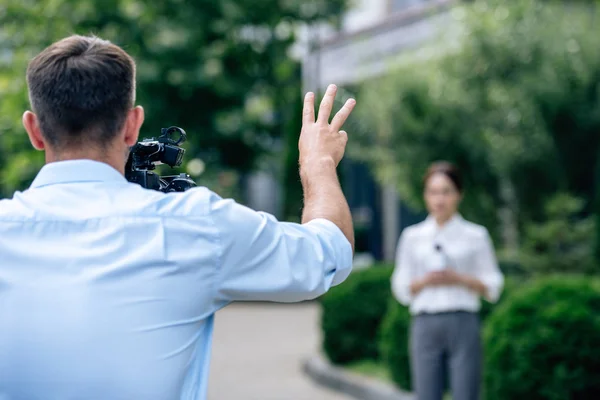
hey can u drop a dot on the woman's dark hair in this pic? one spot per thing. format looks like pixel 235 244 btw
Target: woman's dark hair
pixel 448 169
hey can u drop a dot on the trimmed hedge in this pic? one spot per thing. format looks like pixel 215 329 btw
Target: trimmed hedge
pixel 545 342
pixel 352 314
pixel 393 344
pixel 394 335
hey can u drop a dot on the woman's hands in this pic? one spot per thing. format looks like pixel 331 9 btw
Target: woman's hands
pixel 447 277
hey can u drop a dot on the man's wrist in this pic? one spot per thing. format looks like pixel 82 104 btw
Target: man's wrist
pixel 313 167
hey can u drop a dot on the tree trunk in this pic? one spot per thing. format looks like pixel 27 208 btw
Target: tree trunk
pixel 508 218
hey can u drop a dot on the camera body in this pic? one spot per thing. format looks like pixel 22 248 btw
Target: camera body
pixel 147 154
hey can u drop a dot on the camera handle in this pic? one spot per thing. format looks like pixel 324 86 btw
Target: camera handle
pixel 144 178
pixel 176 183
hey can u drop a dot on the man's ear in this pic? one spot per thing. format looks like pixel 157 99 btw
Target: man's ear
pixel 135 119
pixel 32 126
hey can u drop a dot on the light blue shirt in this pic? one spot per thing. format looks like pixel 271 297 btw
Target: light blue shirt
pixel 108 290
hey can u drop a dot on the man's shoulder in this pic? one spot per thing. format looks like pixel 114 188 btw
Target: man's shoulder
pixel 129 200
pixel 14 209
pixel 194 202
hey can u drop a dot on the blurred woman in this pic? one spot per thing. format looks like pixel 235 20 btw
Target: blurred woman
pixel 443 266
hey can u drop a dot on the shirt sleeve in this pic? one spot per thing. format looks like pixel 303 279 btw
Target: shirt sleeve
pixel 487 268
pixel 263 259
pixel 402 276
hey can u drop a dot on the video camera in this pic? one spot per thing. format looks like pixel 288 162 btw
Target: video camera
pixel 147 154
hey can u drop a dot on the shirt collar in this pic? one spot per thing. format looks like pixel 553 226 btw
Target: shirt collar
pixel 71 171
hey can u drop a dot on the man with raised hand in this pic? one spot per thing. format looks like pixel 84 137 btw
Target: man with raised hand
pixel 107 289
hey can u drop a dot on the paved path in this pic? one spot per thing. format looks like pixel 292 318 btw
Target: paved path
pixel 258 350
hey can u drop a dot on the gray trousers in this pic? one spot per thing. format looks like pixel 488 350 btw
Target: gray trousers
pixel 442 343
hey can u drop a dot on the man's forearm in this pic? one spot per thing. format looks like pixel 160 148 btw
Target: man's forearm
pixel 323 196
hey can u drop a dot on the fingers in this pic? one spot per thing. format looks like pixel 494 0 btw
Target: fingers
pixel 308 115
pixel 342 115
pixel 437 277
pixel 308 112
pixel 327 105
pixel 344 134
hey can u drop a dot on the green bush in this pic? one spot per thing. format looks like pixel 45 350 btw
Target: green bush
pixel 394 333
pixel 393 344
pixel 352 313
pixel 544 342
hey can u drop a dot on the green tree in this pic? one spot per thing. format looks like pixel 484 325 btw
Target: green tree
pixel 516 104
pixel 219 69
pixel 293 195
pixel 563 242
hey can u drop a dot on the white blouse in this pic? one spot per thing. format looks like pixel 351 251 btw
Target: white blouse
pixel 458 244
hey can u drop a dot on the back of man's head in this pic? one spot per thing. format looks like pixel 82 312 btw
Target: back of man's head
pixel 81 89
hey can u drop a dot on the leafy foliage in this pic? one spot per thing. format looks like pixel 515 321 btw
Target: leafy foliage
pixel 543 343
pixel 394 344
pixel 219 69
pixel 293 193
pixel 352 314
pixel 516 104
pixel 564 242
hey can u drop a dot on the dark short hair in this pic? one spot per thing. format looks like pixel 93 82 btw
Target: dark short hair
pixel 448 169
pixel 81 88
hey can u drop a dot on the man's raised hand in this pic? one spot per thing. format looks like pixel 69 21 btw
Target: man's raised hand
pixel 320 140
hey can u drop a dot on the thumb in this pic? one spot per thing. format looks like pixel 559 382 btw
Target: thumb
pixel 344 134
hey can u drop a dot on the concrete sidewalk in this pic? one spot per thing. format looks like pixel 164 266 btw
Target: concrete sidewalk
pixel 258 351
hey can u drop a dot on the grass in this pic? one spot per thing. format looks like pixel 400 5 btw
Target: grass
pixel 372 369
pixel 376 370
